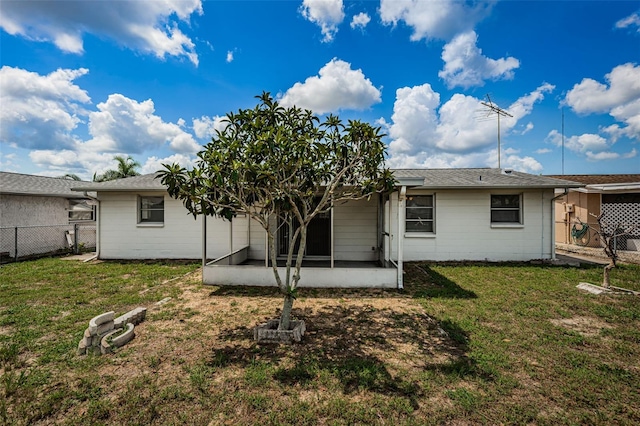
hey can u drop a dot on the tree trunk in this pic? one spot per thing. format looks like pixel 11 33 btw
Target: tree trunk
pixel 285 317
pixel 609 267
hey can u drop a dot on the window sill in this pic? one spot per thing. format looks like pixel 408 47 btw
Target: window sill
pixel 508 225
pixel 419 235
pixel 150 225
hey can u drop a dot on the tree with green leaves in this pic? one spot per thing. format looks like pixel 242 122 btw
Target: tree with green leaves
pixel 70 176
pixel 282 167
pixel 127 167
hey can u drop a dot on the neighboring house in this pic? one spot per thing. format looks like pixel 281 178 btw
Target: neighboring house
pixel 29 200
pixel 617 196
pixel 437 214
pixel 37 211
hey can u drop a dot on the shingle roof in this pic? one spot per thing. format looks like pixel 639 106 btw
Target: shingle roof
pixel 600 179
pixel 481 178
pixel 430 178
pixel 133 183
pixel 21 184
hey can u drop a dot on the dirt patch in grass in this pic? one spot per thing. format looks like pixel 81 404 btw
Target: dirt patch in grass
pixel 586 326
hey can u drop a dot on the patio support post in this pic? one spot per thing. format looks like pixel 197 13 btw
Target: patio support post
pixel 332 256
pixel 231 236
pixel 204 241
pixel 266 249
pixel 401 213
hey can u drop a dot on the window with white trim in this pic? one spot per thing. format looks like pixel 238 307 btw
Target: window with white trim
pixel 419 213
pixel 80 210
pixel 150 209
pixel 506 208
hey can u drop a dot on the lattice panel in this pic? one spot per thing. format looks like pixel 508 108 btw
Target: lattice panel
pixel 622 214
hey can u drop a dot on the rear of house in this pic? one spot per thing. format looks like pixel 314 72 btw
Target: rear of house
pixel 439 214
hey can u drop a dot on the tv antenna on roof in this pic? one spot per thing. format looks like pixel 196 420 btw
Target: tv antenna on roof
pixel 492 108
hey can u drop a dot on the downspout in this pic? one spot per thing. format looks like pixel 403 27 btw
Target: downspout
pixel 553 223
pixel 97 200
pixel 401 204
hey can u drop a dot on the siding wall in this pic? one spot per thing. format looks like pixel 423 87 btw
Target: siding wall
pixel 356 230
pixel 464 231
pixel 585 206
pixel 121 237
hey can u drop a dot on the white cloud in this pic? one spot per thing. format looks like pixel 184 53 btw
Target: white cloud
pixel 335 87
pixel 590 96
pixel 361 20
pixel 465 66
pixel 40 110
pixel 229 56
pixel 79 161
pixel 43 112
pixel 510 160
pixel 147 26
pixel 632 20
pixel 427 134
pixel 527 128
pixel 593 147
pixel 620 98
pixel 153 164
pixel 603 155
pixel 205 127
pixel 581 144
pixel 434 19
pixel 543 151
pixel 123 124
pixel 327 14
pixel 414 119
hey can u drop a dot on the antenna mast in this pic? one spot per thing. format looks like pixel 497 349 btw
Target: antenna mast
pixel 562 141
pixel 495 109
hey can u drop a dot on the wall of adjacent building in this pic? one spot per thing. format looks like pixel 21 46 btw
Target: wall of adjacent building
pixel 28 210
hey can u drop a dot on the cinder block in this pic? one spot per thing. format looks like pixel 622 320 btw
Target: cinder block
pixel 82 348
pixel 105 328
pixel 99 320
pixel 105 347
pixel 135 316
pixel 124 338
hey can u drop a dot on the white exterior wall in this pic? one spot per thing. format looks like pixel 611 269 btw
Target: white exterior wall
pixel 464 230
pixel 180 237
pixel 355 230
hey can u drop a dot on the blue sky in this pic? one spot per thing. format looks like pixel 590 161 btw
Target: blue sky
pixel 83 81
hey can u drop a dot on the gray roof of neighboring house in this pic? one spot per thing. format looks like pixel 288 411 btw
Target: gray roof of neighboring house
pixel 601 179
pixel 21 184
pixel 428 178
pixel 479 178
pixel 133 183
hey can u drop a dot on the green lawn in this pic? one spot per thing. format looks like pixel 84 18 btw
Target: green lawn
pixel 463 344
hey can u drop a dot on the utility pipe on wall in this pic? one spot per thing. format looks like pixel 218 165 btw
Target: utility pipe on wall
pixel 553 223
pixel 401 212
pixel 99 213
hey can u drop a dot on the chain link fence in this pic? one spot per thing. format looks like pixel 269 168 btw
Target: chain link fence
pixel 28 242
pixel 626 236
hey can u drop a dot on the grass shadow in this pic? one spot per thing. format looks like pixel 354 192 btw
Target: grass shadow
pixel 344 343
pixel 422 281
